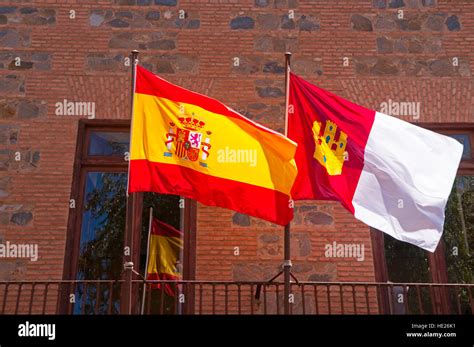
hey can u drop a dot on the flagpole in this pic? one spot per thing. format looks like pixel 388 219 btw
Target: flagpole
pixel 134 62
pixel 150 221
pixel 131 207
pixel 287 260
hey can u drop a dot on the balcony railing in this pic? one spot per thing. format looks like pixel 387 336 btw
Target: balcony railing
pixel 225 297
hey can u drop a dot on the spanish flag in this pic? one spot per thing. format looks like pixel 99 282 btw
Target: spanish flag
pixel 187 144
pixel 165 246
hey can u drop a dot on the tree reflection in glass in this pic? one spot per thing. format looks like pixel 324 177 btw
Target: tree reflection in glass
pixel 101 245
pixel 459 238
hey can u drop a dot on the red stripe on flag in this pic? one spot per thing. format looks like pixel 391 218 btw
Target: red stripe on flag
pixel 147 83
pixel 311 104
pixel 169 288
pixel 161 277
pixel 163 229
pixel 268 204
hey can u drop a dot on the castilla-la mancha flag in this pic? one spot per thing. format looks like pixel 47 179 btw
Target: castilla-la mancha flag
pixel 187 144
pixel 390 174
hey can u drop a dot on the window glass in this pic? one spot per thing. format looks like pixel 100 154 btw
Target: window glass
pixel 101 242
pixel 459 231
pixel 108 143
pixel 466 142
pixel 459 239
pixel 168 250
pixel 407 263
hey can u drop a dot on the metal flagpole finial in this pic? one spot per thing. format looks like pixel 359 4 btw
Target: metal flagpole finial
pixel 134 55
pixel 287 64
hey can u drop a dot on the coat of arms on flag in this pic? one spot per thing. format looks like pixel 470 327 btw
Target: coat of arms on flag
pixel 173 131
pixel 188 140
pixel 329 152
pixel 369 162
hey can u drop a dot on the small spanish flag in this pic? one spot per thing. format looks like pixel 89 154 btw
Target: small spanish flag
pixel 187 144
pixel 165 246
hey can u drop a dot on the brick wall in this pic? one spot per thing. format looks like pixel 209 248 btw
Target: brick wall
pixel 365 51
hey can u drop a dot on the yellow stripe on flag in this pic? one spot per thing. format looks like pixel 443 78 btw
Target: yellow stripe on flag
pixel 238 150
pixel 164 254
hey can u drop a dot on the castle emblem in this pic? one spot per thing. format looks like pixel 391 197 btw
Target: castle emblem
pixel 189 140
pixel 329 152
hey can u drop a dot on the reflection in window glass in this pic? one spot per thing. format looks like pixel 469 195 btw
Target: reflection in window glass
pixel 466 142
pixel 407 263
pixel 459 239
pixel 101 244
pixel 459 231
pixel 166 209
pixel 109 143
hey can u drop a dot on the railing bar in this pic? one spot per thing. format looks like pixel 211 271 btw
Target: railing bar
pixel 278 298
pixel 239 299
pixel 291 304
pixel 328 286
pixel 17 306
pixel 433 303
pixel 149 293
pixel 407 308
pixel 176 297
pixel 70 307
pixel 226 298
pixel 391 294
pixel 252 303
pixel 5 295
pixel 316 301
pixel 341 296
pixel 200 298
pixel 162 297
pixel 367 299
pixel 265 299
pixel 213 298
pixel 303 303
pixel 354 299
pixel 380 302
pixel 110 299
pixel 31 297
pixel 182 303
pixel 420 303
pixel 471 303
pixel 84 297
pixel 97 295
pixel 458 302
pixel 45 297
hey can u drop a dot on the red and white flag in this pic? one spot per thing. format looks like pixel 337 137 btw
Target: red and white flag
pixel 390 174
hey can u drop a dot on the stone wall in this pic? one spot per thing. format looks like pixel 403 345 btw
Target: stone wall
pixel 366 51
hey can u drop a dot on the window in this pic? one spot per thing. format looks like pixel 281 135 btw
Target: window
pixel 459 231
pixel 98 217
pixel 453 261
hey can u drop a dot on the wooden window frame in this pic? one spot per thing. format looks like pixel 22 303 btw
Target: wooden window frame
pixel 84 163
pixel 437 260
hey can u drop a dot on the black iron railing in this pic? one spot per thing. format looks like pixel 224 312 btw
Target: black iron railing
pixel 226 297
